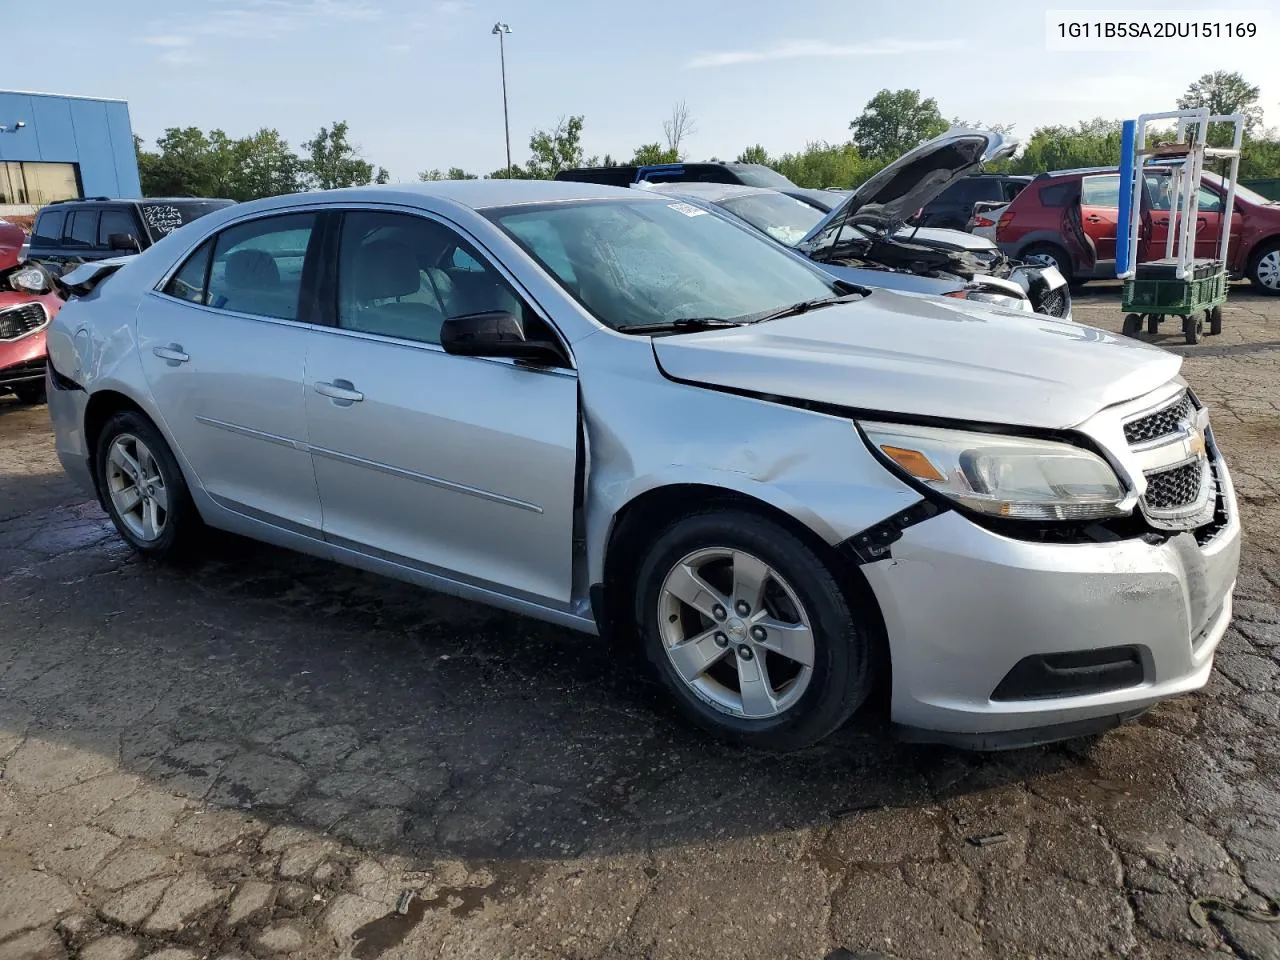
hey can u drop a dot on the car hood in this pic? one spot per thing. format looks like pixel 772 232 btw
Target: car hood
pixel 925 357
pixel 886 201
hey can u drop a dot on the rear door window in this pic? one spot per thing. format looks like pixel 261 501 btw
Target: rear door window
pixel 82 230
pixel 257 266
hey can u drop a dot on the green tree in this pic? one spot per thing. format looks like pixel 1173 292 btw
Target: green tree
pixel 823 165
pixel 332 161
pixel 651 153
pixel 454 173
pixel 895 121
pixel 1224 92
pixel 265 166
pixel 556 149
pixel 754 154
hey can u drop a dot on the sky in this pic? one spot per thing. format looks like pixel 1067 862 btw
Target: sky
pixel 419 82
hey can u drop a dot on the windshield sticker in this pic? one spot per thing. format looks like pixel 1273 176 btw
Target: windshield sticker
pixel 688 209
pixel 161 218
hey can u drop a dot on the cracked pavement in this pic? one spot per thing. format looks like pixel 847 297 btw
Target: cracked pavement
pixel 266 755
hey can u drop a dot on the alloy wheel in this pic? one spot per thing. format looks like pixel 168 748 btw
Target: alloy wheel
pixel 136 487
pixel 736 633
pixel 1268 270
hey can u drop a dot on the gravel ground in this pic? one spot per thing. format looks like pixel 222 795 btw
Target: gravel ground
pixel 264 755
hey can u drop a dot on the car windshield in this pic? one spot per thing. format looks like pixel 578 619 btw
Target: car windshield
pixel 784 218
pixel 758 175
pixel 641 262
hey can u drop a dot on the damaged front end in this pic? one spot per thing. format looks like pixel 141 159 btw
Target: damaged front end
pixel 27 305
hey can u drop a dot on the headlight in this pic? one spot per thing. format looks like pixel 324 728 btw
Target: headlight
pixel 1001 476
pixel 30 279
pixel 997 299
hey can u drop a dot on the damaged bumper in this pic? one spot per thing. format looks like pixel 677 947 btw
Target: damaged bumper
pixel 998 642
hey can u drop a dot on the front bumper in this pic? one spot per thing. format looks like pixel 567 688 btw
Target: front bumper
pixel 963 605
pixel 22 361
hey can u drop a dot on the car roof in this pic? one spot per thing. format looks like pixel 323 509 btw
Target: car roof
pixel 1078 171
pixel 482 194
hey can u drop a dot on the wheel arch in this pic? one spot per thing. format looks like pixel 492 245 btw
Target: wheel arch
pixel 101 406
pixel 637 524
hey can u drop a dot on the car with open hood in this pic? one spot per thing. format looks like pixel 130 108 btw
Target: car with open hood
pixel 870 227
pixel 624 415
pixel 27 304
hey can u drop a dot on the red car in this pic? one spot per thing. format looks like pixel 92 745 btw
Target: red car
pixel 27 304
pixel 1068 219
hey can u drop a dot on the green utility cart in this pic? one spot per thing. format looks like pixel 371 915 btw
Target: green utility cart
pixel 1179 284
pixel 1155 293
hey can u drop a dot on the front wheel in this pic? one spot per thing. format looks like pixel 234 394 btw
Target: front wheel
pixel 143 488
pixel 1193 328
pixel 750 632
pixel 1132 325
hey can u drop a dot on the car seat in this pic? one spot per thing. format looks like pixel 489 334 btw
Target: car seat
pixel 387 270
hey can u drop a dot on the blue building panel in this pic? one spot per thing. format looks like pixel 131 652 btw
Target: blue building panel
pixel 93 134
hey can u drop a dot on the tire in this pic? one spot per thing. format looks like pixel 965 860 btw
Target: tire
pixel 798 704
pixel 1192 328
pixel 1215 321
pixel 30 394
pixel 1264 269
pixel 161 534
pixel 1046 254
pixel 1132 325
pixel 1153 323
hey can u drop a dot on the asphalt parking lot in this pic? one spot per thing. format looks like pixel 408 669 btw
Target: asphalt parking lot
pixel 265 755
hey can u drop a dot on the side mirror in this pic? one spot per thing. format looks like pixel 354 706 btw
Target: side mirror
pixel 124 241
pixel 495 334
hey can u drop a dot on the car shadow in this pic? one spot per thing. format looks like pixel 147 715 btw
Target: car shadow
pixel 404 720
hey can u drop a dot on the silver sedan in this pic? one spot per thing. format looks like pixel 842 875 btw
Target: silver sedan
pixel 624 414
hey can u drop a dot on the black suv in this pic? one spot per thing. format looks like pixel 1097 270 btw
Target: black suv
pixel 953 206
pixel 69 232
pixel 747 174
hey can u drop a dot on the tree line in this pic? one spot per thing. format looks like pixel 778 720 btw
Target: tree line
pixel 189 162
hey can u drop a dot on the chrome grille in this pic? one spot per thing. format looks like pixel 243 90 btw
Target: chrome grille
pixel 19 321
pixel 1176 487
pixel 1163 423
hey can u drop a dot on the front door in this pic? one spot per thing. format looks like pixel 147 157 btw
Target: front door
pixel 456 465
pixel 224 353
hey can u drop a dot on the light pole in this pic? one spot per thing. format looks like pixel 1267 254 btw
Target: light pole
pixel 501 29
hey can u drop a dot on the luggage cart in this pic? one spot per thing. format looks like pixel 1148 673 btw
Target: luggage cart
pixel 1179 284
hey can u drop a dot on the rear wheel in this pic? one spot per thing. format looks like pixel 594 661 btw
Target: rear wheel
pixel 1048 255
pixel 1132 325
pixel 1264 269
pixel 30 394
pixel 1153 323
pixel 143 488
pixel 1193 328
pixel 750 632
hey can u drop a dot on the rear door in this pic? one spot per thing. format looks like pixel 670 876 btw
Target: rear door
pixel 1209 223
pixel 118 222
pixel 1099 212
pixel 223 348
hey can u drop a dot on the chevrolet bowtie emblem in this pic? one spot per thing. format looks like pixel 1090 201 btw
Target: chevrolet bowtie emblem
pixel 1197 444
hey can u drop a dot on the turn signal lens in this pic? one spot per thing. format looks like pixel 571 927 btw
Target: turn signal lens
pixel 912 461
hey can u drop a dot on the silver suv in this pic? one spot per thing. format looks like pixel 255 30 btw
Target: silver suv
pixel 627 415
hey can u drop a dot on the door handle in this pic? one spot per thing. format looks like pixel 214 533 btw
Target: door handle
pixel 1161 221
pixel 341 390
pixel 1094 218
pixel 173 353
